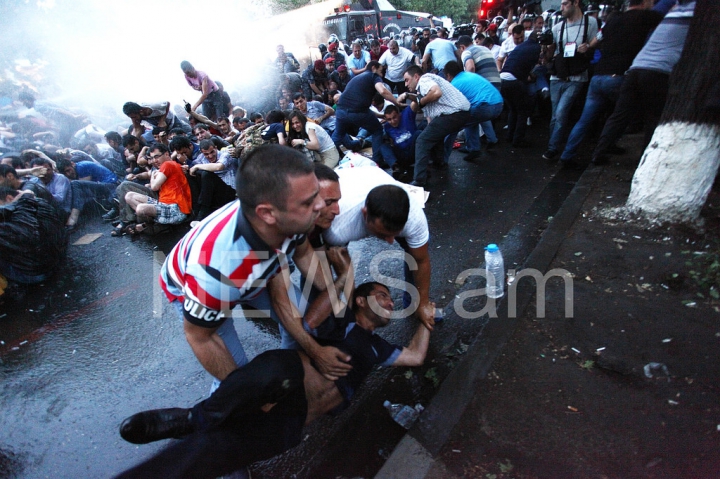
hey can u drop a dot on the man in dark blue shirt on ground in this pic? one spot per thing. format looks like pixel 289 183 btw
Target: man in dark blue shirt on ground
pixel 259 410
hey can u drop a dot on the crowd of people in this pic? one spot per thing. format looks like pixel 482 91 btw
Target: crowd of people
pixel 270 189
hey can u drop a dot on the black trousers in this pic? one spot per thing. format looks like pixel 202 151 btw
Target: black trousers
pixel 209 193
pixel 231 429
pixel 519 105
pixel 643 91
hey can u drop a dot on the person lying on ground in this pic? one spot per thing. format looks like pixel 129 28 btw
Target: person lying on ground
pixel 259 410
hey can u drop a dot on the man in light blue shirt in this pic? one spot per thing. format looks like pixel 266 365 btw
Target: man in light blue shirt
pixel 439 51
pixel 486 103
pixel 357 62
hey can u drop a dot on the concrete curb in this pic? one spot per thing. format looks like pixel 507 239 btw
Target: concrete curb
pixel 414 456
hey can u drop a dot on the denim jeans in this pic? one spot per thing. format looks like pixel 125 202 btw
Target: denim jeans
pixel 346 119
pixel 481 114
pixel 433 137
pixel 394 154
pixel 563 94
pixel 603 92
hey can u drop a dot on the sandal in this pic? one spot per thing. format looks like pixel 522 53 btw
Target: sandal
pixel 120 229
pixel 134 229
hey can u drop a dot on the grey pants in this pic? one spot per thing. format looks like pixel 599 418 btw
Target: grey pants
pixel 127 214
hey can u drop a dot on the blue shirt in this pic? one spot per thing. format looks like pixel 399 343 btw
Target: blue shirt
pixel 476 89
pixel 96 172
pixel 357 63
pixel 359 92
pixel 402 134
pixel 441 51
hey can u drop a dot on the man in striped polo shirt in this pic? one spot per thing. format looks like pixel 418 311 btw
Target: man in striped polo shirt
pixel 228 258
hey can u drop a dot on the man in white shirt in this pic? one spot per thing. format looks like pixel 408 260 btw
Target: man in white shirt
pixel 374 204
pixel 397 59
pixel 447 112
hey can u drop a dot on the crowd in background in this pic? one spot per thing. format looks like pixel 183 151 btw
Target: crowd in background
pixel 406 101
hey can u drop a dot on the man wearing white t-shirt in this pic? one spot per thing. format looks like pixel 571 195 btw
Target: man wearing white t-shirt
pixel 397 59
pixel 375 204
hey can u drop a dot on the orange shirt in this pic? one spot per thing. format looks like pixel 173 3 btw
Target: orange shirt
pixel 176 189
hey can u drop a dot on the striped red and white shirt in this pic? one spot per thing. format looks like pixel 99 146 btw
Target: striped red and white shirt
pixel 219 264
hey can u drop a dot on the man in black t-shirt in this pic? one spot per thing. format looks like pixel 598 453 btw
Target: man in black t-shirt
pixel 259 410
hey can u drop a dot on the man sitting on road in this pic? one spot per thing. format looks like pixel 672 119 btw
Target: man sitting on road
pixel 89 182
pixel 174 203
pixel 259 410
pixel 316 111
pixel 214 171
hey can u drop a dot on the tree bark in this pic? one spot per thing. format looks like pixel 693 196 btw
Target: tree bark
pixel 679 165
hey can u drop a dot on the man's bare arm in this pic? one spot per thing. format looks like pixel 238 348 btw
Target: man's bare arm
pixel 414 354
pixel 331 362
pixel 426 309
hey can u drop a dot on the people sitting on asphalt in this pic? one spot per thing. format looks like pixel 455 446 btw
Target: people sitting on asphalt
pixel 214 171
pixel 311 136
pixel 173 204
pixel 89 183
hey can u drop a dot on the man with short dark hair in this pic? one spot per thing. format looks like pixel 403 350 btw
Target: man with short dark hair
pixel 447 112
pixel 58 185
pixel 516 38
pixel 157 114
pixel 401 132
pixel 202 132
pixel 227 258
pixel 438 52
pixel 89 182
pixel 216 172
pixel 374 204
pixel 621 39
pixel 571 48
pixel 316 111
pixel 353 109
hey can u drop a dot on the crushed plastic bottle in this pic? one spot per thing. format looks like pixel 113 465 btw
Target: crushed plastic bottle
pixel 656 368
pixel 402 414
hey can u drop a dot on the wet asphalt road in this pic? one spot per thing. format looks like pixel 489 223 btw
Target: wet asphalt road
pixel 98 342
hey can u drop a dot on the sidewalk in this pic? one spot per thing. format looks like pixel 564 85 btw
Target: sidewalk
pixel 568 397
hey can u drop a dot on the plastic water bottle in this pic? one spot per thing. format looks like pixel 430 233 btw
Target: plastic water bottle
pixel 494 265
pixel 402 414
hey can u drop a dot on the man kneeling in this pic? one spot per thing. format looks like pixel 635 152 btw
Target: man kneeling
pixel 259 410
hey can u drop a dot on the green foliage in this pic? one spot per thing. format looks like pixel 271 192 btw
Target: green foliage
pixel 706 272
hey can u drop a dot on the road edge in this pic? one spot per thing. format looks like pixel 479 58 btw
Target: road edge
pixel 414 456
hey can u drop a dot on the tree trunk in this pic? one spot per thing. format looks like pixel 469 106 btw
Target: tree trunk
pixel 679 165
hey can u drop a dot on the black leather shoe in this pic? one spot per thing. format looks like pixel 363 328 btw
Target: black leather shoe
pixel 157 424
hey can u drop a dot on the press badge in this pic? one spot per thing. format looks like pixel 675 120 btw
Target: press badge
pixel 570 49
